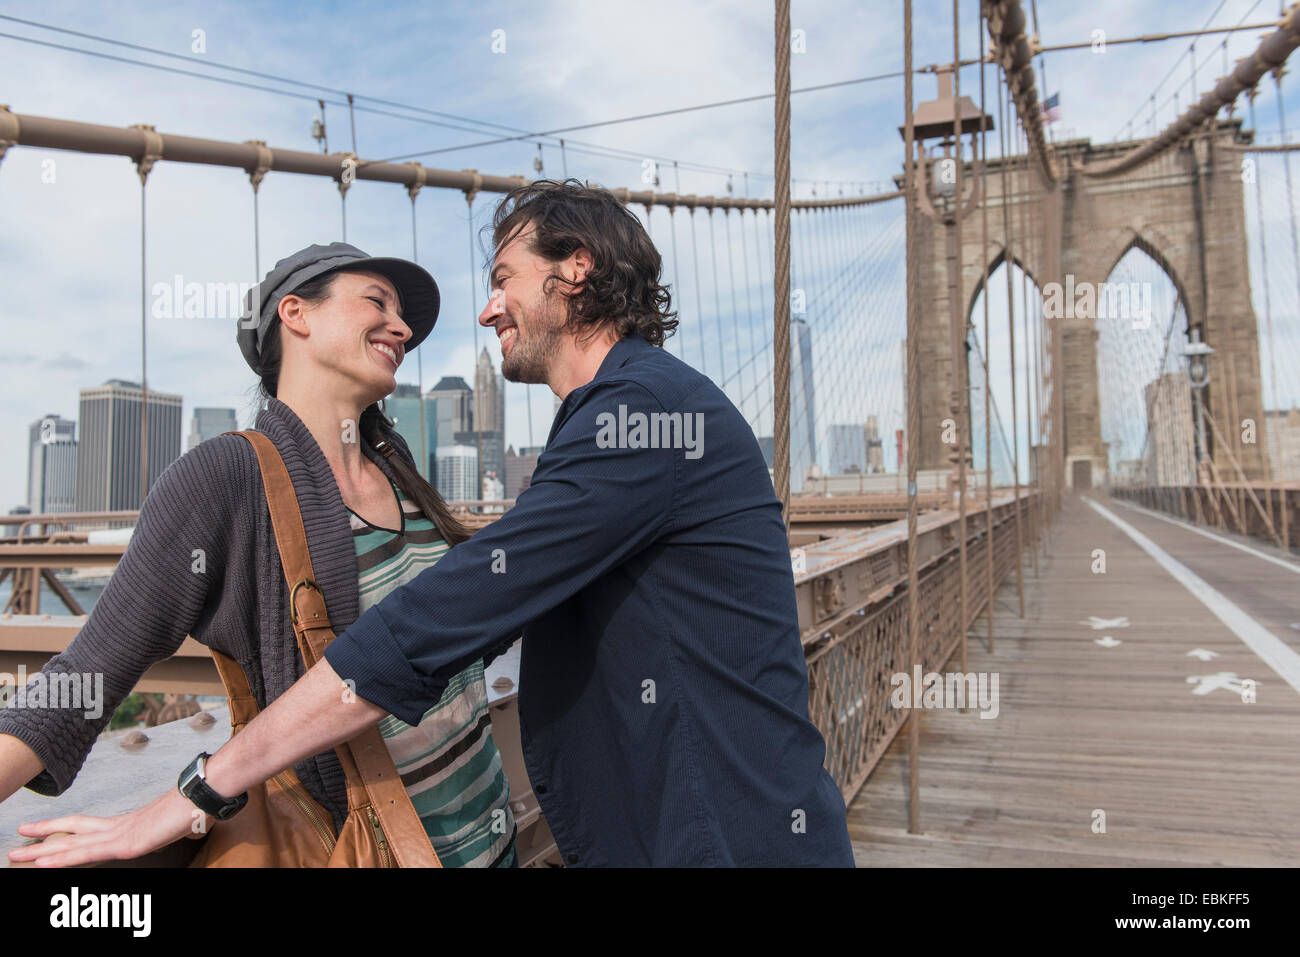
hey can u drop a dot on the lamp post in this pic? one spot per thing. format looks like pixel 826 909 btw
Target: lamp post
pixel 1198 375
pixel 941 127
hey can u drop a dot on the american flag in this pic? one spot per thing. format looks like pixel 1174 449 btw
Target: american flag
pixel 1051 109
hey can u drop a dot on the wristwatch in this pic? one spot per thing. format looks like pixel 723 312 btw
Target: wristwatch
pixel 192 784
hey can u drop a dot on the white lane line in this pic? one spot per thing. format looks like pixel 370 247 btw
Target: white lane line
pixel 1270 648
pixel 1289 566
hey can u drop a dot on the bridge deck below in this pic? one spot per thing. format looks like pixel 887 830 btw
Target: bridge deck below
pixel 1183 778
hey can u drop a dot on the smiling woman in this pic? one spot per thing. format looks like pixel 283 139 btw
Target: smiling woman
pixel 325 331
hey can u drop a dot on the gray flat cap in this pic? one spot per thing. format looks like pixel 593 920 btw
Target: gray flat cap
pixel 415 288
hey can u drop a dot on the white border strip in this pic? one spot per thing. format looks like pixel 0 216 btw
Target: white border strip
pixel 1289 566
pixel 1265 644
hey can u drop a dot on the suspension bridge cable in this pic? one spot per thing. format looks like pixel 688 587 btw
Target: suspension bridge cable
pixel 1024 317
pixel 1290 197
pixel 257 240
pixel 824 326
pixel 1268 299
pixel 419 360
pixel 594 149
pixel 479 387
pixel 717 301
pixel 731 281
pixel 1173 68
pixel 699 307
pixel 1011 328
pixel 988 382
pixel 144 338
pixel 958 339
pixel 672 229
pixel 655 115
pixel 818 326
pixel 913 421
pixel 750 315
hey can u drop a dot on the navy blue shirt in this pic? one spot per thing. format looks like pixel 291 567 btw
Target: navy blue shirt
pixel 663 694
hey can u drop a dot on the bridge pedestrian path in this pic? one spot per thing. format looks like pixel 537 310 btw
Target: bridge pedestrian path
pixel 1125 731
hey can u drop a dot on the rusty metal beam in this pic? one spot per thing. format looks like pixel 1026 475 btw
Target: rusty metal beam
pixel 255 156
pixel 46 555
pixel 31 640
pixel 24 523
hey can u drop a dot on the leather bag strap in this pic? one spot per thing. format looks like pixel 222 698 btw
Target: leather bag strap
pixel 243 704
pixel 365 758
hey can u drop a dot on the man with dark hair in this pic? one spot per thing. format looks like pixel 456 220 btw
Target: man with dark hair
pixel 663 692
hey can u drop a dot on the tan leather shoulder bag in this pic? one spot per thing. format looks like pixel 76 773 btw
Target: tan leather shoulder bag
pixel 282 825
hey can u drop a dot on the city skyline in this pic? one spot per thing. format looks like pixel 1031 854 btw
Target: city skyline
pixel 112 468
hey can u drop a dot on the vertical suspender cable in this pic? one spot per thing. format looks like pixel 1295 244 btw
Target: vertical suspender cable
pixel 1024 320
pixel 988 380
pixel 478 388
pixel 717 301
pixel 913 427
pixel 352 120
pixel 1008 263
pixel 419 362
pixel 144 377
pixel 1290 203
pixel 1263 261
pixel 699 307
pixel 958 338
pixel 761 233
pixel 749 302
pixel 672 228
pixel 257 240
pixel 731 281
pixel 781 277
pixel 799 285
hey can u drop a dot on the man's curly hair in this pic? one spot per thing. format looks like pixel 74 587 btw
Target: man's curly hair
pixel 623 285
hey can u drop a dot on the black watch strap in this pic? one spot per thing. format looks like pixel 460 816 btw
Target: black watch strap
pixel 192 784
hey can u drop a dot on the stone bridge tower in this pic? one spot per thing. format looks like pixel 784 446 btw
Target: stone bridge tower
pixel 1185 209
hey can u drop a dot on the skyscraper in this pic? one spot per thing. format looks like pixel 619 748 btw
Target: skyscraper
pixel 875 446
pixel 458 473
pixel 489 396
pixel 856 448
pixel 52 465
pixel 403 407
pixel 803 405
pixel 452 397
pixel 490 414
pixel 208 423
pixel 108 453
pixel 848 448
pixel 519 470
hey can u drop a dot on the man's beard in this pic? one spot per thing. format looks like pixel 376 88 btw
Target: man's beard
pixel 530 357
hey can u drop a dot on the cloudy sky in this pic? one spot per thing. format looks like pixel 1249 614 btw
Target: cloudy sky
pixel 70 223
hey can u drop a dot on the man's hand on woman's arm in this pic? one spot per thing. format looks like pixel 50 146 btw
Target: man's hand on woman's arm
pixel 314 715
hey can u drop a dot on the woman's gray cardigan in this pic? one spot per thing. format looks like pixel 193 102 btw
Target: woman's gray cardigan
pixel 210 500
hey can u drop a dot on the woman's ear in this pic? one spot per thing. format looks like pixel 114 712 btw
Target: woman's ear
pixel 293 315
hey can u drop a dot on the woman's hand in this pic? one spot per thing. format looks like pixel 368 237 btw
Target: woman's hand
pixel 81 839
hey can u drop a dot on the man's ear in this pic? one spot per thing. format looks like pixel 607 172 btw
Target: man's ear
pixel 583 262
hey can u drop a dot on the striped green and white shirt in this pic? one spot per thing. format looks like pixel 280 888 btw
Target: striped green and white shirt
pixel 448 762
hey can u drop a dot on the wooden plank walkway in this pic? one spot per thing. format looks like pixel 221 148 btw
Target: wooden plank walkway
pixel 1184 778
